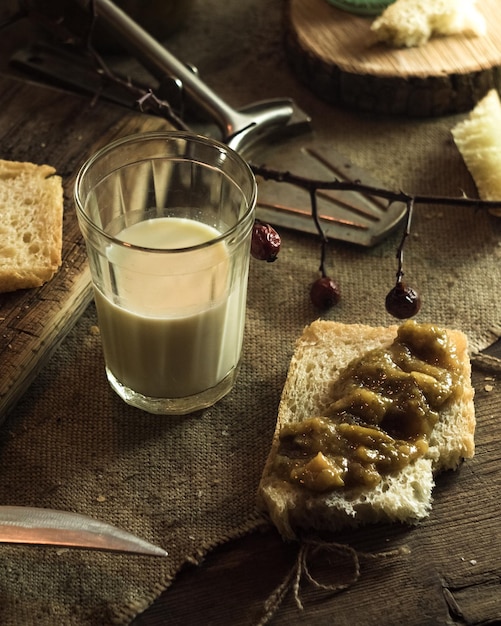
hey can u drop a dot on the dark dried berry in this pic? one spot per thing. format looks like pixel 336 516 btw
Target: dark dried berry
pixel 324 293
pixel 402 302
pixel 265 244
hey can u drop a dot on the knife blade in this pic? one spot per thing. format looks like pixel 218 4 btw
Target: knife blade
pixel 39 526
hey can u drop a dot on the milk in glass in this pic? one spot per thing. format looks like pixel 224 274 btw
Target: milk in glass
pixel 174 327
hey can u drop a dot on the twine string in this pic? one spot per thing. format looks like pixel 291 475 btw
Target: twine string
pixel 300 569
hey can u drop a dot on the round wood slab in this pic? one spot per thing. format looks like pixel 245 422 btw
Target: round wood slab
pixel 333 53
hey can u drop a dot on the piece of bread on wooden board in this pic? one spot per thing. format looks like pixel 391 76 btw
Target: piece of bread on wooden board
pixel 478 139
pixel 409 23
pixel 323 351
pixel 31 223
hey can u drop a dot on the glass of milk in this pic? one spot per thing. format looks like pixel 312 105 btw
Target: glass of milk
pixel 167 220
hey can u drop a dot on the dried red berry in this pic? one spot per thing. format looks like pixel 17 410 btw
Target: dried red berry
pixel 265 244
pixel 402 302
pixel 324 293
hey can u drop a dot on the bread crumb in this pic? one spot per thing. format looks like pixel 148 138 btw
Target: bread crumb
pixel 488 388
pixel 101 498
pixel 94 330
pixel 473 561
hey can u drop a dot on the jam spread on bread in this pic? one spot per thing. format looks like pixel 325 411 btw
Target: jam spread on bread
pixel 384 408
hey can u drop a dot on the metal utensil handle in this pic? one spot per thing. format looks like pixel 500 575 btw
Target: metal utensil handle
pixel 157 59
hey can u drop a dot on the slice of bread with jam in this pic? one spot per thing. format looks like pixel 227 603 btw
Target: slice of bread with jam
pixel 368 416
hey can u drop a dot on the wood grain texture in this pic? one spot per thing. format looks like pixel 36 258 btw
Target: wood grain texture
pixel 45 125
pixel 451 574
pixel 333 53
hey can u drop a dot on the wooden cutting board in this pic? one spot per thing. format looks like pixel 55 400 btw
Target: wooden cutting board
pixel 45 125
pixel 332 52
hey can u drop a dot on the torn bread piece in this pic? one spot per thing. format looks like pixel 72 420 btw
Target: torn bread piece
pixel 478 139
pixel 31 224
pixel 410 23
pixel 338 427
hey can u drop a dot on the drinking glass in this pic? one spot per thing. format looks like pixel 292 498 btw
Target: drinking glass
pixel 167 220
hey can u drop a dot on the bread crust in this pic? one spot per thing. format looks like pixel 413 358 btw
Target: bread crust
pixel 31 221
pixel 322 352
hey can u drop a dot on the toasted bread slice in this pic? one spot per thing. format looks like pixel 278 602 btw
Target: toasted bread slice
pixel 322 353
pixel 31 218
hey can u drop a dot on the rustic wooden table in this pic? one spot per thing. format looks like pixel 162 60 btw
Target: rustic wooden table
pixel 443 581
pixel 438 582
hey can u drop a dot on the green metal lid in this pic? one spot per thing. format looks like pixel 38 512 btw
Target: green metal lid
pixel 362 7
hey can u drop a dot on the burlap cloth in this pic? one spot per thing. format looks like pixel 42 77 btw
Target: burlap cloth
pixel 189 483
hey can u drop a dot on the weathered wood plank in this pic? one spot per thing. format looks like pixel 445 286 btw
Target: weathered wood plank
pixel 45 125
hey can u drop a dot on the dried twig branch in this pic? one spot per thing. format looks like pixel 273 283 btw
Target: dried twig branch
pixel 402 301
pixel 146 99
pixel 405 234
pixel 312 185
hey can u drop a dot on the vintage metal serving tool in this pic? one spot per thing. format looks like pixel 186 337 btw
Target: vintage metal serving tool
pixel 38 526
pixel 343 215
pixel 268 132
pixel 239 127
